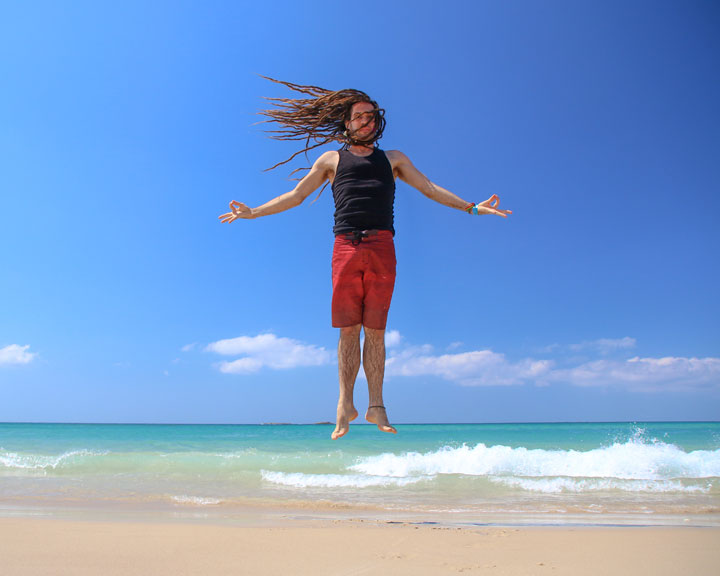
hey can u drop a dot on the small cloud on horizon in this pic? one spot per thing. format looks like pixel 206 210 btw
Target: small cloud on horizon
pixel 392 338
pixel 267 351
pixel 643 374
pixel 475 368
pixel 16 354
pixel 601 346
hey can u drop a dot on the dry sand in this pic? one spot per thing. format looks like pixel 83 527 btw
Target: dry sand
pixel 345 547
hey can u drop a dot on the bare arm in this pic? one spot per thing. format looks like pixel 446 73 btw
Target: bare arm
pixel 407 172
pixel 321 170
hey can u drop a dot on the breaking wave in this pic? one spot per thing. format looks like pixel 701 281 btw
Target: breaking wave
pixel 300 480
pixel 633 466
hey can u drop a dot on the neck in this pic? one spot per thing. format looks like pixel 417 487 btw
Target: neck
pixel 361 149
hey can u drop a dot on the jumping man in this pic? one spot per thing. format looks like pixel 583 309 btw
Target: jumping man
pixel 363 263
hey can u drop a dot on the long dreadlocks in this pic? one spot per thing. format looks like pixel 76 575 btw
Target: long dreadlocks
pixel 319 118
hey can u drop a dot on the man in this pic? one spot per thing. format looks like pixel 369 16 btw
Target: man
pixel 363 183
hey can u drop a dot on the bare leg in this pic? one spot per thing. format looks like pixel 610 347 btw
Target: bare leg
pixel 348 366
pixel 374 365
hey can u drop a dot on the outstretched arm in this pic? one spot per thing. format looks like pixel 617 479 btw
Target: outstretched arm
pixel 407 172
pixel 319 173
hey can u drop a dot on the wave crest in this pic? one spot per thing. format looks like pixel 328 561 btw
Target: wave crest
pixel 632 460
pixel 13 460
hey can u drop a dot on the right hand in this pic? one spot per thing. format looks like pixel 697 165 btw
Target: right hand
pixel 238 210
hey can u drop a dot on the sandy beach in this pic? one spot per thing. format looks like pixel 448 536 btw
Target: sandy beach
pixel 347 547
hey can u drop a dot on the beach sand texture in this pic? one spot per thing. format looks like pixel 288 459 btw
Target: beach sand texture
pixel 35 547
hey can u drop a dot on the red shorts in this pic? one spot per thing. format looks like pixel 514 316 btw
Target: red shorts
pixel 363 277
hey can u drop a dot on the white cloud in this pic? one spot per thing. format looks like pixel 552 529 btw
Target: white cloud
pixel 605 345
pixel 188 347
pixel 16 354
pixel 267 350
pixel 644 374
pixel 488 368
pixel 601 345
pixel 392 338
pixel 476 368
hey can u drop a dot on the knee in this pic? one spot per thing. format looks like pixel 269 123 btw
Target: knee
pixel 374 336
pixel 350 332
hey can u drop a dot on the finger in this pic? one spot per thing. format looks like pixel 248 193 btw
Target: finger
pixel 491 202
pixel 489 210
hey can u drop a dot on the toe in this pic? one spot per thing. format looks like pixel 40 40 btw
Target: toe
pixel 338 433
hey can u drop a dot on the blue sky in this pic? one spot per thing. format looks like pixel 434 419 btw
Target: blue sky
pixel 126 129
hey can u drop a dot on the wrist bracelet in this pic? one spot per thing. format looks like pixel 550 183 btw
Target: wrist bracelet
pixel 469 207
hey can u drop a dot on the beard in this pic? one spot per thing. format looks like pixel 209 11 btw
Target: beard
pixel 366 138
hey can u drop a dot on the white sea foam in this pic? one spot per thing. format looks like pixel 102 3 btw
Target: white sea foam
pixel 583 485
pixel 632 460
pixel 196 500
pixel 300 480
pixel 13 460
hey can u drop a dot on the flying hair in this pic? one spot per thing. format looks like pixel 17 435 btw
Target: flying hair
pixel 317 119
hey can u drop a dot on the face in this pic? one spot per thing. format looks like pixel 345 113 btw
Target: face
pixel 362 121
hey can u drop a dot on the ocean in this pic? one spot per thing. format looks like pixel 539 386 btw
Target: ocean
pixel 587 473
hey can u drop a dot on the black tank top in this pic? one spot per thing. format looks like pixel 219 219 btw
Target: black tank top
pixel 364 193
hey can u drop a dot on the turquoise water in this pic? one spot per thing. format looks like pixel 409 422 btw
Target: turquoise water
pixel 471 470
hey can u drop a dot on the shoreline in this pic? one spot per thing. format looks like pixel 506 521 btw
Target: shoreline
pixel 268 513
pixel 33 546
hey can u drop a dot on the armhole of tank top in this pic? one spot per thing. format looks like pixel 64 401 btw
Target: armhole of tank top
pixel 337 169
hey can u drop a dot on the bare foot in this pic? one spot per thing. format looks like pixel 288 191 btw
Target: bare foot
pixel 345 415
pixel 378 415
